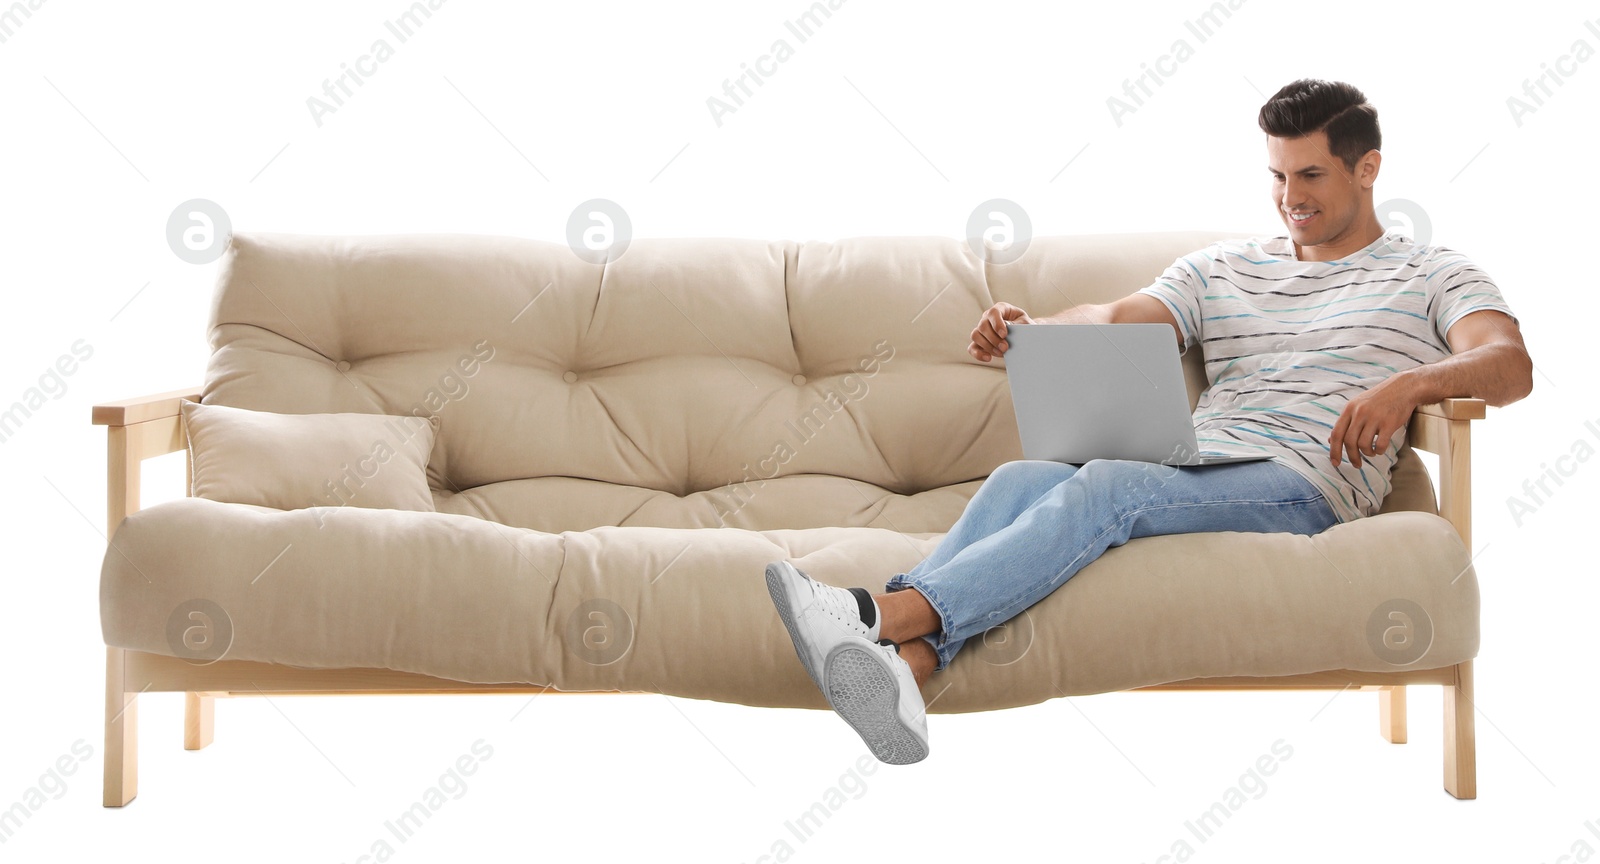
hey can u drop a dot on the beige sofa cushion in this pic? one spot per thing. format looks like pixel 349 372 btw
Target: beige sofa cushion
pixel 291 461
pixel 685 610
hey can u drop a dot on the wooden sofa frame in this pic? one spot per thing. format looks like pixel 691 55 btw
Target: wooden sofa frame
pixel 148 426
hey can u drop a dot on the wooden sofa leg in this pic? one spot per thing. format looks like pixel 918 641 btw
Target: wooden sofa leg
pixel 197 720
pixel 1392 714
pixel 122 734
pixel 1460 740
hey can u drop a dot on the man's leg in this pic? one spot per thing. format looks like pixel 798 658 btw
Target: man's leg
pixel 1006 493
pixel 872 682
pixel 919 654
pixel 1105 503
pixel 995 566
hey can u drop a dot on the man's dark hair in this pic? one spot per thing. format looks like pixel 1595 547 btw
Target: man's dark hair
pixel 1307 105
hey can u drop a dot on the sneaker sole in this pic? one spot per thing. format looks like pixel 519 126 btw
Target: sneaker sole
pixel 778 587
pixel 866 693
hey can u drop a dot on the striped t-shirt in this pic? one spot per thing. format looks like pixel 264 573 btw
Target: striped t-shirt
pixel 1287 343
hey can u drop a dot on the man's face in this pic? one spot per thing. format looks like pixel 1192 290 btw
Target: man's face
pixel 1309 181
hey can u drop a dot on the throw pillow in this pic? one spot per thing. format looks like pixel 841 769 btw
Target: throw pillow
pixel 291 461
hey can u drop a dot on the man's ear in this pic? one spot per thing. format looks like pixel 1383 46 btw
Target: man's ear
pixel 1367 168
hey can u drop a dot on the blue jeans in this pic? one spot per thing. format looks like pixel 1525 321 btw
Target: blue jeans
pixel 1034 524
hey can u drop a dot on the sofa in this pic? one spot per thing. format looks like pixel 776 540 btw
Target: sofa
pixel 455 463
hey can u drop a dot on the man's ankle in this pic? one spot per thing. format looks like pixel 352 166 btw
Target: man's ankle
pixel 921 657
pixel 905 615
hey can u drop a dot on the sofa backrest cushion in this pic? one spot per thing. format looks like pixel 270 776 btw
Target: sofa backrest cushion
pixel 687 383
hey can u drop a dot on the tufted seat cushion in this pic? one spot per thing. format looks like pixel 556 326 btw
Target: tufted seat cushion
pixel 626 445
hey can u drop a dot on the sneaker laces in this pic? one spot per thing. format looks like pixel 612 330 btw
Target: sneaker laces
pixel 838 602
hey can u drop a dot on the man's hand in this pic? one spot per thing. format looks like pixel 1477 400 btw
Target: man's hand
pixel 1488 360
pixel 1371 418
pixel 989 337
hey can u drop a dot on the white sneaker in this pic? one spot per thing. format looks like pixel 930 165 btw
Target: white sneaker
pixel 865 680
pixel 875 692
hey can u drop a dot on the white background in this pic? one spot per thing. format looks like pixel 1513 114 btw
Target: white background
pixel 893 118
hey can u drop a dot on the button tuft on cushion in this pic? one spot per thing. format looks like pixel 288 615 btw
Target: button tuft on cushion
pixel 342 366
pixel 799 380
pixel 569 376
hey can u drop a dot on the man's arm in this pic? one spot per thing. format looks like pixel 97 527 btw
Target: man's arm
pixel 988 338
pixel 1488 361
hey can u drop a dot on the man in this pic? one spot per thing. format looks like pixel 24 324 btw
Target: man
pixel 1318 345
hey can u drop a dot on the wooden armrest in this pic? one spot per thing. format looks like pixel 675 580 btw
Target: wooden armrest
pixel 1444 428
pixel 138 429
pixel 126 412
pixel 1455 408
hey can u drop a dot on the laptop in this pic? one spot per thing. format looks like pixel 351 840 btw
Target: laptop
pixel 1102 391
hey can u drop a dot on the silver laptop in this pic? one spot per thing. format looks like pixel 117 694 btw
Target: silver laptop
pixel 1102 391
